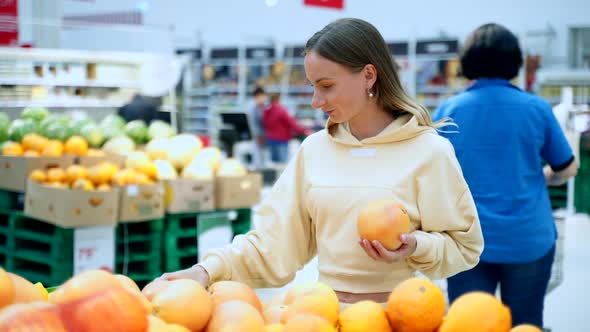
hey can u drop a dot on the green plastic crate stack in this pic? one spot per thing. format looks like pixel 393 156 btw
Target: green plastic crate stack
pixel 35 250
pixel 10 200
pixel 6 237
pixel 242 223
pixel 582 186
pixel 139 250
pixel 558 196
pixel 181 248
pixel 182 232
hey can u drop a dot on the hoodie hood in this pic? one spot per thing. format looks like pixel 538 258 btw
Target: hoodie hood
pixel 404 127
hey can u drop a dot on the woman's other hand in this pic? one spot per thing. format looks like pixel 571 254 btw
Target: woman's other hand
pixel 378 252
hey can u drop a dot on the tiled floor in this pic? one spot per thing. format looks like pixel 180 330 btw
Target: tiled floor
pixel 567 307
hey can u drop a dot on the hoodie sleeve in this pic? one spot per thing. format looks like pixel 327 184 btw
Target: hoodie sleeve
pixel 449 240
pixel 282 240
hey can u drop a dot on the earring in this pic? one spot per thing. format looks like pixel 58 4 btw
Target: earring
pixel 370 93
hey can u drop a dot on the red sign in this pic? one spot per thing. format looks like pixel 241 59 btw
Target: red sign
pixel 338 4
pixel 8 22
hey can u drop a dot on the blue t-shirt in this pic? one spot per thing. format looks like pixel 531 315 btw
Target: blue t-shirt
pixel 504 136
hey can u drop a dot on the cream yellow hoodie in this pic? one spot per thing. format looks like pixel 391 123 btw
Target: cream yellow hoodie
pixel 313 206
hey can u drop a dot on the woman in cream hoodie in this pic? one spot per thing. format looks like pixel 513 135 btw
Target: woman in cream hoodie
pixel 377 144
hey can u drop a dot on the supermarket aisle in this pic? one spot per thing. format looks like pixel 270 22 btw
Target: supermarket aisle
pixel 566 306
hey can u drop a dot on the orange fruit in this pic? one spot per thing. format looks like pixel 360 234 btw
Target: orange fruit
pixel 235 316
pixel 526 328
pixel 272 315
pixel 36 316
pixel 31 153
pixel 132 287
pixel 38 175
pixel 7 291
pixel 12 149
pixel 477 311
pixel 82 184
pixel 56 174
pixel 184 302
pixel 82 285
pixel 153 288
pixel 102 173
pixel 274 328
pixel 416 305
pixel 25 291
pixel 309 288
pixel 54 148
pixel 223 291
pixel 34 142
pixel 308 323
pixel 384 221
pixel 155 324
pixel 110 309
pixel 103 187
pixel 319 305
pixel 76 145
pixel 364 316
pixel 75 172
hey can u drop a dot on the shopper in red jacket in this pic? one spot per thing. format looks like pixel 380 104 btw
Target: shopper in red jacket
pixel 279 127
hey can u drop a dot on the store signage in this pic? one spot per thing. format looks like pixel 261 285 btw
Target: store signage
pixel 9 22
pixel 337 4
pixel 224 53
pixel 260 53
pixel 435 46
pixel 195 53
pixel 400 48
pixel 94 248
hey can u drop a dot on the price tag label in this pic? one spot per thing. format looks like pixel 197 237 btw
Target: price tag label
pixel 132 190
pixel 94 248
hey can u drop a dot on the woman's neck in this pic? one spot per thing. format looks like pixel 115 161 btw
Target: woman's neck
pixel 370 123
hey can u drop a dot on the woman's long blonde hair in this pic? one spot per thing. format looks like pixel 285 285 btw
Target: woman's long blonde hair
pixel 355 43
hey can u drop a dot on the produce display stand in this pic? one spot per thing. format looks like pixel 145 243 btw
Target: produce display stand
pixel 43 252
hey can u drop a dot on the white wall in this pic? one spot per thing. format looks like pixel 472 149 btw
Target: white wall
pixel 230 22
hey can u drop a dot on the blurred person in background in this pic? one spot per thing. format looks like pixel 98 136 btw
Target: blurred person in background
pixel 143 108
pixel 279 128
pixel 378 144
pixel 504 136
pixel 256 110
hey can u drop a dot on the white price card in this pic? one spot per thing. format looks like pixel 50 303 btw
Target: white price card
pixel 94 248
pixel 214 231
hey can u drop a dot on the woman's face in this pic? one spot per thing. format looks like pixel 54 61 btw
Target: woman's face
pixel 338 92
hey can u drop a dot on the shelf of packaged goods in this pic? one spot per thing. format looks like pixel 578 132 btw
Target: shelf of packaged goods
pixel 72 83
pixel 61 104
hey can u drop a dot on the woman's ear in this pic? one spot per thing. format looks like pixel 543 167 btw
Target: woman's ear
pixel 370 75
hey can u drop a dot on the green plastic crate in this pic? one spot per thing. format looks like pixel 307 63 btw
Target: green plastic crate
pixel 181 260
pixel 142 264
pixel 10 200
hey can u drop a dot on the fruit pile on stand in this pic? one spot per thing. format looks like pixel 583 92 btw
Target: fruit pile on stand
pixel 95 211
pixel 97 300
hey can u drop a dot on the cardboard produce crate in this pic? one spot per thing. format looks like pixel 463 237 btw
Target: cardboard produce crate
pixel 141 202
pixel 14 171
pixel 71 208
pixel 235 192
pixel 187 196
pixel 89 161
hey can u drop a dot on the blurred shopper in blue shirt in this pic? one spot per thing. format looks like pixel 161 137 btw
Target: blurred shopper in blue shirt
pixel 504 137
